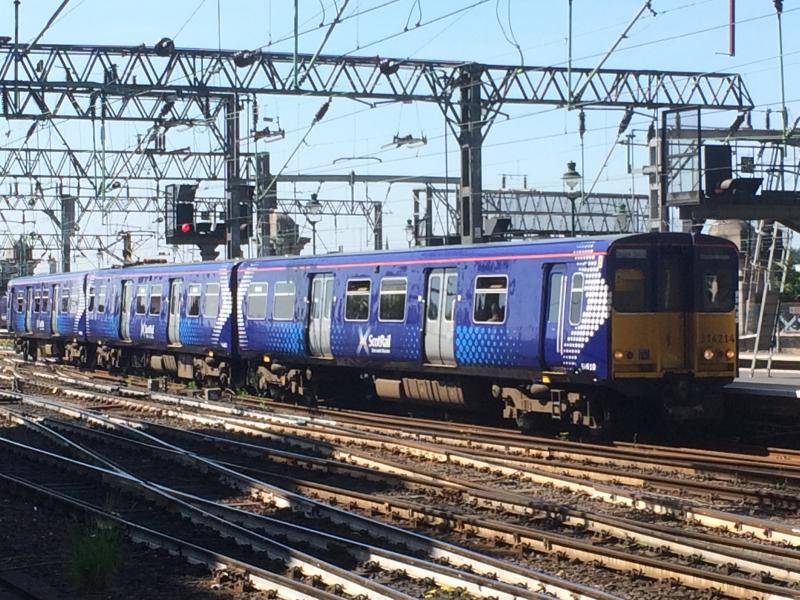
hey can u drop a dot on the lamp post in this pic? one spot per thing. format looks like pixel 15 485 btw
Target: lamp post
pixel 313 210
pixel 571 180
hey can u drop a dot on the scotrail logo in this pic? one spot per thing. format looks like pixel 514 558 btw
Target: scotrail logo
pixel 373 344
pixel 147 331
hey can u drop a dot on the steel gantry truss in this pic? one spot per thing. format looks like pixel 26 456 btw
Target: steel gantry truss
pixel 170 87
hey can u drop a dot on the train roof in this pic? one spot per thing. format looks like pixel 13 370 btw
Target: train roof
pixel 500 249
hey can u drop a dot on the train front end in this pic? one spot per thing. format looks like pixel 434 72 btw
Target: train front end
pixel 673 338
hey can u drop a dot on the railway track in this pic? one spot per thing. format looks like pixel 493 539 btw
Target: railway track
pixel 497 579
pixel 298 444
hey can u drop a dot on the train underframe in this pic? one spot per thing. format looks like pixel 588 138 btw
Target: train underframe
pixel 531 404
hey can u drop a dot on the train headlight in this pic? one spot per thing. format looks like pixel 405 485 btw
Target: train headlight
pixel 730 354
pixel 618 355
pixel 708 354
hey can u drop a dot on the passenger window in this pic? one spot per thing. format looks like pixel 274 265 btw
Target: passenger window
pixel 155 300
pixel 20 302
pixel 576 299
pixel 141 302
pixel 193 300
pixel 556 291
pixel 629 290
pixel 393 300
pixel 257 301
pixel 283 302
pixel 101 299
pixel 37 301
pixel 490 299
pixel 434 293
pixel 90 301
pixel 357 300
pixel 211 306
pixel 65 300
pixel 45 301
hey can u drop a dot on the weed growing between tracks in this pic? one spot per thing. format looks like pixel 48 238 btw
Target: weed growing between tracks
pixel 95 555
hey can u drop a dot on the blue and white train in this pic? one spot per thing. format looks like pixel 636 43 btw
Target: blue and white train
pixel 573 329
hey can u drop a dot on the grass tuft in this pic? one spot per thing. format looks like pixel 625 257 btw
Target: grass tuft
pixel 95 555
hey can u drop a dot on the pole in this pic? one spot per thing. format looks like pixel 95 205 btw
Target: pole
pixel 569 56
pixel 296 34
pixel 572 199
pixel 314 237
pixel 16 54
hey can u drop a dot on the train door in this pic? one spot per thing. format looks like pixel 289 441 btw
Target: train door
pixel 553 338
pixel 29 311
pixel 673 297
pixel 54 308
pixel 174 318
pixel 319 317
pixel 440 317
pixel 125 311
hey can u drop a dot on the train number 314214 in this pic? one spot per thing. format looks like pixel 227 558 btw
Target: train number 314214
pixel 717 338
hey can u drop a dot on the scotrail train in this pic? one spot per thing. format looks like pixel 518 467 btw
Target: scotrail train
pixel 577 330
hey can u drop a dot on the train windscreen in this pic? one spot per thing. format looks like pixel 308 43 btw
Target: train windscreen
pixel 716 277
pixel 631 280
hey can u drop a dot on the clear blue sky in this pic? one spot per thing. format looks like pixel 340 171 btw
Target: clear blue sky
pixel 535 141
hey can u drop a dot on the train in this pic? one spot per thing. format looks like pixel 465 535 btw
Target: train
pixel 573 331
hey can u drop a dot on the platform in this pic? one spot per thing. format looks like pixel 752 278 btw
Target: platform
pixel 780 387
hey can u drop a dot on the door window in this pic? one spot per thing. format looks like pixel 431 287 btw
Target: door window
pixel 101 299
pixel 434 296
pixel 65 293
pixel 554 305
pixel 20 302
pixel 193 300
pixel 141 299
pixel 45 301
pixel 37 301
pixel 450 297
pixel 576 299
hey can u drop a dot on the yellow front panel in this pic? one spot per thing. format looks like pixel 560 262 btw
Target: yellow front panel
pixel 647 342
pixel 650 344
pixel 715 332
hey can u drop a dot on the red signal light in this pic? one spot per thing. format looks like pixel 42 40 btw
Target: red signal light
pixel 186 228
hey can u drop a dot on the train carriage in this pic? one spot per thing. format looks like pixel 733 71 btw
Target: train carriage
pixel 562 328
pixel 46 314
pixel 171 318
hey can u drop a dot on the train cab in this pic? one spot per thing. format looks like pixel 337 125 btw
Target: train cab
pixel 673 318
